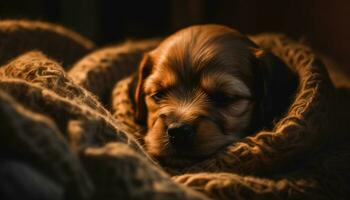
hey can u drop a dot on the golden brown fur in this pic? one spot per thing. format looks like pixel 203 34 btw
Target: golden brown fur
pixel 305 156
pixel 207 77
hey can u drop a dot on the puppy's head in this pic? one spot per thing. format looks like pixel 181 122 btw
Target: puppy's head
pixel 199 90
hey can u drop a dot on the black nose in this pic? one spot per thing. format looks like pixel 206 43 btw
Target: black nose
pixel 181 134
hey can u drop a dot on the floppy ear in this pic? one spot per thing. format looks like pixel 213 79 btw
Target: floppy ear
pixel 275 87
pixel 144 71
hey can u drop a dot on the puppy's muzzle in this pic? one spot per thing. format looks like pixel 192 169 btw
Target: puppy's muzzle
pixel 181 135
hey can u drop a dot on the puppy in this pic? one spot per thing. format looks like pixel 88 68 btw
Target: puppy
pixel 205 87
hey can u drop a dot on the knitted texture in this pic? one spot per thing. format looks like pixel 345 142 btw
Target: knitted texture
pixel 55 127
pixel 100 70
pixel 300 158
pixel 76 132
pixel 19 36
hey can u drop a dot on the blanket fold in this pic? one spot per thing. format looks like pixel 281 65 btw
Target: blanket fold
pixel 67 125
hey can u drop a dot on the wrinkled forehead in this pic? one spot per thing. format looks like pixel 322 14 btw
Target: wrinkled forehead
pixel 212 73
pixel 189 59
pixel 209 81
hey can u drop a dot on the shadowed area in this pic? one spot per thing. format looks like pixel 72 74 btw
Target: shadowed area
pixel 73 135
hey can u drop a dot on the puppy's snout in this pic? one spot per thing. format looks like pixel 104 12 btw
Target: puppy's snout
pixel 181 134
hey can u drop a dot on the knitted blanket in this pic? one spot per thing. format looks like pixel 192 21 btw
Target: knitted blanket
pixel 68 132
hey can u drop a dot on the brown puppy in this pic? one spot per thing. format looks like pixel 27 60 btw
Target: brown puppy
pixel 203 88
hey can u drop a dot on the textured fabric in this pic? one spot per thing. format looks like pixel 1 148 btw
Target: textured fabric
pixel 54 128
pixel 19 36
pixel 304 156
pixel 74 131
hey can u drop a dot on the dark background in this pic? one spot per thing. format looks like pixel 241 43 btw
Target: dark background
pixel 324 24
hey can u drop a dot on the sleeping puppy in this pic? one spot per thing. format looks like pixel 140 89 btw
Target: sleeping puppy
pixel 205 87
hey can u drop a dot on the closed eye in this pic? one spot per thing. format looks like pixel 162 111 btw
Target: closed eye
pixel 158 96
pixel 222 99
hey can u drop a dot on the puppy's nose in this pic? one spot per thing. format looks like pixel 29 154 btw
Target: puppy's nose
pixel 181 134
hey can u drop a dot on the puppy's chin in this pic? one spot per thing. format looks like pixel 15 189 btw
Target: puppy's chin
pixel 209 140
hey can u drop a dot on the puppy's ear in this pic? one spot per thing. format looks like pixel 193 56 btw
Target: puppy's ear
pixel 275 86
pixel 144 71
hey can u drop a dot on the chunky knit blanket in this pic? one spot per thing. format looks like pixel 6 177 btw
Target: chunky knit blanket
pixel 68 132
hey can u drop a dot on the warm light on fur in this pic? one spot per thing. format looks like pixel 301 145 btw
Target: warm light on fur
pixel 204 76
